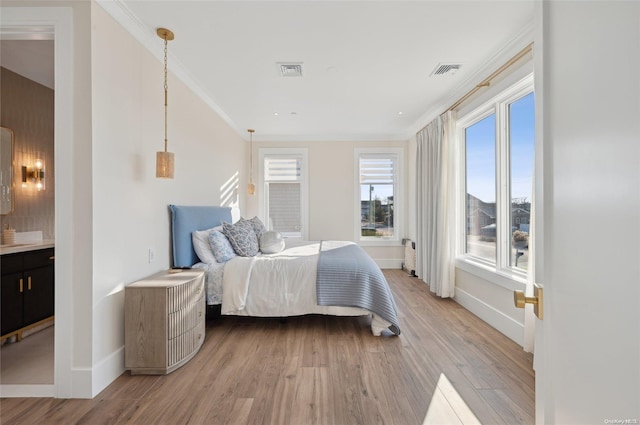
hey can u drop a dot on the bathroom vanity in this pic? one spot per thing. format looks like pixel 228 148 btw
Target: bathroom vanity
pixel 27 287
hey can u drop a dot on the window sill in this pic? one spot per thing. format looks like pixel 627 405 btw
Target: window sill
pixel 508 280
pixel 364 242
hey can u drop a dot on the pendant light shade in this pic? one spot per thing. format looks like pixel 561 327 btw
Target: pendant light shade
pixel 164 165
pixel 164 159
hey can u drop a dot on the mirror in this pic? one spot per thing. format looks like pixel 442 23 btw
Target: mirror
pixel 6 170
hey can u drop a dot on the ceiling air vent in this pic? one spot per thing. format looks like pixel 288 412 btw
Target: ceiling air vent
pixel 291 69
pixel 446 69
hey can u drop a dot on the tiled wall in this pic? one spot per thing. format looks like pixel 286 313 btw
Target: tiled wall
pixel 27 108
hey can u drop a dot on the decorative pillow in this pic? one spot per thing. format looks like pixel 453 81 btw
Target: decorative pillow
pixel 258 226
pixel 242 237
pixel 221 247
pixel 271 242
pixel 201 245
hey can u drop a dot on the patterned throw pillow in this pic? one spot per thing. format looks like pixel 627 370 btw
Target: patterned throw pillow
pixel 201 245
pixel 258 226
pixel 242 237
pixel 221 247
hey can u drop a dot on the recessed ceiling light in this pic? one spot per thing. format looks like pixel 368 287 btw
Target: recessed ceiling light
pixel 276 114
pixel 400 113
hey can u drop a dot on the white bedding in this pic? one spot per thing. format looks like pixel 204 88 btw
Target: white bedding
pixel 275 285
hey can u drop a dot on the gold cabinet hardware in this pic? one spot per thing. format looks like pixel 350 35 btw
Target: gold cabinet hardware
pixel 29 283
pixel 21 285
pixel 520 299
pixel 53 257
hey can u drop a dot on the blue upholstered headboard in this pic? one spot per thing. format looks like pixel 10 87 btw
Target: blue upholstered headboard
pixel 187 219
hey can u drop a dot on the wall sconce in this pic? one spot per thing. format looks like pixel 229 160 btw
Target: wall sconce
pixel 34 175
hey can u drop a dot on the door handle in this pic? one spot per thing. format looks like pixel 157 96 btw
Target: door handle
pixel 29 283
pixel 520 299
pixel 21 285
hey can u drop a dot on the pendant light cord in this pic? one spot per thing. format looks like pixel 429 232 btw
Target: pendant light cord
pixel 250 156
pixel 166 89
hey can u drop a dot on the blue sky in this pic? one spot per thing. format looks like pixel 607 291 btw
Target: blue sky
pixel 481 153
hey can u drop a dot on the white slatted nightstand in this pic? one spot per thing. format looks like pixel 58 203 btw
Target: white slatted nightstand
pixel 164 321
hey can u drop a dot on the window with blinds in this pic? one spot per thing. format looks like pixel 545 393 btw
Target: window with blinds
pixel 377 174
pixel 283 177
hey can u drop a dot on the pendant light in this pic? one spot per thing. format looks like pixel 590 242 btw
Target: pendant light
pixel 164 159
pixel 251 189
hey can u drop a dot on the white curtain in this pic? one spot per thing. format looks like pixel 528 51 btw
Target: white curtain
pixel 435 215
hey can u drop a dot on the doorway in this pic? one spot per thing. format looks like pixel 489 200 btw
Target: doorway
pixel 54 23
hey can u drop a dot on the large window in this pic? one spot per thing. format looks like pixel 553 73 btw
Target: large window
pixel 498 175
pixel 284 196
pixel 378 200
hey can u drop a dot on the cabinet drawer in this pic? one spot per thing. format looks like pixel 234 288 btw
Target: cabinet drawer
pixel 181 297
pixel 11 263
pixel 186 319
pixel 40 258
pixel 186 344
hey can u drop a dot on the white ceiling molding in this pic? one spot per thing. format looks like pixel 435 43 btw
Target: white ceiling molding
pixel 523 39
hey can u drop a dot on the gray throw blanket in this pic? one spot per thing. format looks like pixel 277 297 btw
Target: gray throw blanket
pixel 348 277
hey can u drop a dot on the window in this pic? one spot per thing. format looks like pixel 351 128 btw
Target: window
pixel 498 141
pixel 378 199
pixel 284 197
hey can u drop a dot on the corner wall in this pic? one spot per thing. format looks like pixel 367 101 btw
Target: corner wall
pixel 130 205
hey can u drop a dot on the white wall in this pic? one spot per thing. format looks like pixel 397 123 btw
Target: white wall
pixel 109 207
pixel 591 145
pixel 332 191
pixel 130 205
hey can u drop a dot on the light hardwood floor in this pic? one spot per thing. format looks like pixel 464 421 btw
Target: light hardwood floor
pixel 447 367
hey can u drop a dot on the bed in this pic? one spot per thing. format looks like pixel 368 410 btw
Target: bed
pixel 325 277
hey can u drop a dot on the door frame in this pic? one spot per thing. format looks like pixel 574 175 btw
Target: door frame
pixel 38 23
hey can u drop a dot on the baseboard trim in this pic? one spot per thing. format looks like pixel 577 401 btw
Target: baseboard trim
pixel 494 317
pixel 389 263
pixel 107 371
pixel 39 391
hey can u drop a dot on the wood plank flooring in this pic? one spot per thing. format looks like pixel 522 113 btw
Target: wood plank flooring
pixel 447 367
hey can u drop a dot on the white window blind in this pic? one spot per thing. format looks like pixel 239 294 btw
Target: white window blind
pixel 376 170
pixel 282 169
pixel 283 175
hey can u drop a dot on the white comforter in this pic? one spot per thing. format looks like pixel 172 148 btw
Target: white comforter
pixel 279 285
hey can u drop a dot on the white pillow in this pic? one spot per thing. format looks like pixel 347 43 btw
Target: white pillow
pixel 201 245
pixel 271 242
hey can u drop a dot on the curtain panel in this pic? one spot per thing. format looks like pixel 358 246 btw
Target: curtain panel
pixel 435 203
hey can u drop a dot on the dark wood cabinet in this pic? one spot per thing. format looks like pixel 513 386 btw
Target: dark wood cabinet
pixel 26 290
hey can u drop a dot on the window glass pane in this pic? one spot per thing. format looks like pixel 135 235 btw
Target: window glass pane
pixel 521 137
pixel 480 139
pixel 377 177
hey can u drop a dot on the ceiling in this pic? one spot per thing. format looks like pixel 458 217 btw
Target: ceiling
pixel 366 65
pixel 33 59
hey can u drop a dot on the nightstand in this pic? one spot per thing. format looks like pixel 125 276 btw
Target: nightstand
pixel 164 321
